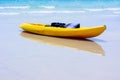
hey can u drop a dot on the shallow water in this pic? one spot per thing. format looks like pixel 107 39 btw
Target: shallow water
pixel 92 7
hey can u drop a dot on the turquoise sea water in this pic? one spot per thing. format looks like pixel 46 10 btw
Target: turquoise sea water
pixel 13 7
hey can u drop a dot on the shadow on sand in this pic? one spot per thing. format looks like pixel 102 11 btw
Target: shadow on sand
pixel 79 44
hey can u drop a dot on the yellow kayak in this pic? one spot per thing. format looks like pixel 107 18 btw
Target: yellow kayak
pixel 82 32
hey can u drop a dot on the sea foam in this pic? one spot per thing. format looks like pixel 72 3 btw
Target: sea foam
pixel 103 9
pixel 14 7
pixel 9 13
pixel 48 7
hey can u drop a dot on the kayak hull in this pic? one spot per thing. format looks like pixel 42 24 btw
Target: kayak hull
pixel 82 32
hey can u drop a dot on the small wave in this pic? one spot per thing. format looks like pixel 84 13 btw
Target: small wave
pixel 113 9
pixel 94 9
pixel 48 7
pixel 103 9
pixel 37 12
pixel 14 7
pixel 9 13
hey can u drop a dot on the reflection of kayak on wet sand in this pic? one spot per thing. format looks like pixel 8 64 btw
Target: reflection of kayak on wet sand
pixel 80 44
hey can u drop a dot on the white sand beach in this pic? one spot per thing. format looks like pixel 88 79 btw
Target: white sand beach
pixel 25 56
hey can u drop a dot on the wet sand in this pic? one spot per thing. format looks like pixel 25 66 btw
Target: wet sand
pixel 79 44
pixel 26 56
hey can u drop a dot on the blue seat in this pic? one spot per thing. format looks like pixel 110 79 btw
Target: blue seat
pixel 72 25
